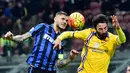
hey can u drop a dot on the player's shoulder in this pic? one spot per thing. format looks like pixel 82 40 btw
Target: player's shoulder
pixel 111 35
pixel 43 25
pixel 89 30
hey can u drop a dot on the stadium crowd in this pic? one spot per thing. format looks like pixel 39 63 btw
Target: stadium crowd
pixel 18 16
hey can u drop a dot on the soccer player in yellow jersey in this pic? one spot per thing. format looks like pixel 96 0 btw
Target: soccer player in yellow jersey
pixel 99 44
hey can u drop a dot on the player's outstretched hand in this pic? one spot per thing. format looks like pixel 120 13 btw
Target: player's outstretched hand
pixel 57 44
pixel 115 22
pixel 73 54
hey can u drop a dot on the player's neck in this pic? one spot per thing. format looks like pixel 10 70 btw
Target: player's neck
pixel 57 30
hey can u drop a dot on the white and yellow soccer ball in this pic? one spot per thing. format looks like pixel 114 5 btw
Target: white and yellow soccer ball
pixel 76 20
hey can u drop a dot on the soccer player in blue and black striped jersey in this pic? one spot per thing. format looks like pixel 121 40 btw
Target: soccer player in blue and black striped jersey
pixel 43 57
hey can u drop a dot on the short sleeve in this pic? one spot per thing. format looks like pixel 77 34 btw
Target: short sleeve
pixel 34 30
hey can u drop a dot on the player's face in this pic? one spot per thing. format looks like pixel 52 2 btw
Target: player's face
pixel 61 21
pixel 102 29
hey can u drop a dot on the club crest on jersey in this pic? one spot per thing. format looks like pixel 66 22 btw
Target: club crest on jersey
pixel 96 48
pixel 96 45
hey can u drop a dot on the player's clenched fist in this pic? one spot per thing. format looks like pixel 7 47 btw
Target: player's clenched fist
pixel 8 35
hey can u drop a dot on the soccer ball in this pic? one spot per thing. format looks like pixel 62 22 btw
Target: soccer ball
pixel 76 20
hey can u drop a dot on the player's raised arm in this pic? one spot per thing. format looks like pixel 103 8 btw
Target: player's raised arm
pixel 121 35
pixel 68 34
pixel 18 38
pixel 64 35
pixel 65 62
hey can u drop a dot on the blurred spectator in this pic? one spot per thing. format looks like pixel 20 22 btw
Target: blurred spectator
pixel 88 17
pixel 23 48
pixel 7 46
pixel 26 24
pixel 123 20
pixel 64 5
pixel 77 44
pixel 6 24
pixel 17 28
pixel 127 20
pixel 3 5
pixel 81 4
pixel 33 7
pixel 106 7
pixel 95 8
pixel 18 11
pixel 16 15
pixel 7 11
pixel 1 45
pixel 124 6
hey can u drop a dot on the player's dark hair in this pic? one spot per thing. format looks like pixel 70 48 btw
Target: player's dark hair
pixel 100 18
pixel 62 13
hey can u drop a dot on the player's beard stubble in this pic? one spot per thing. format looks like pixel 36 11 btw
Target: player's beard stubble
pixel 101 36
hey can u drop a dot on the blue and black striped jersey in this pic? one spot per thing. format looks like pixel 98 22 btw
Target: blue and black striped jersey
pixel 43 55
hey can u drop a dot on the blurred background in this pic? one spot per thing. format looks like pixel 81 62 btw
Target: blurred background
pixel 18 16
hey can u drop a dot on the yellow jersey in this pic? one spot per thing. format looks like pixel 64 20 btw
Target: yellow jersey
pixel 99 52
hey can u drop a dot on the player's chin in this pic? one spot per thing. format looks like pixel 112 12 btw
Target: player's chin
pixel 63 27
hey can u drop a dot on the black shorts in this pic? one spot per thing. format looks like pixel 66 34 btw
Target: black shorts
pixel 38 70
